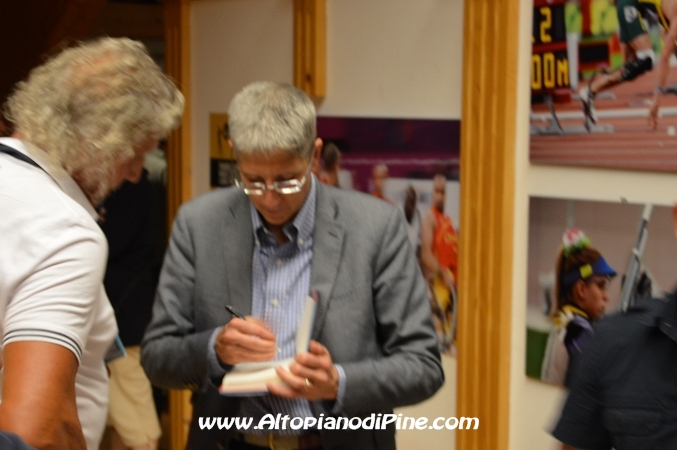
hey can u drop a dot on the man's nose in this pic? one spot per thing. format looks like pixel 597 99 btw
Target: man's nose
pixel 271 197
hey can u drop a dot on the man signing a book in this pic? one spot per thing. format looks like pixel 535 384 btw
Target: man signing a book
pixel 261 248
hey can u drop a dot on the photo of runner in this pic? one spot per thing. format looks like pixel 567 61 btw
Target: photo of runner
pixel 603 84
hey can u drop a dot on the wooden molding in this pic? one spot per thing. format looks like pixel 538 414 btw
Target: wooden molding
pixel 487 209
pixel 75 23
pixel 177 46
pixel 310 47
pixel 132 20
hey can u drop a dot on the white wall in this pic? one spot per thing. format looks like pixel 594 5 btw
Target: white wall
pixel 535 405
pixel 385 58
pixel 233 42
pixel 394 58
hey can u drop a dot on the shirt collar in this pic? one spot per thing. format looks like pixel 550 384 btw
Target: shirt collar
pixel 49 164
pixel 300 229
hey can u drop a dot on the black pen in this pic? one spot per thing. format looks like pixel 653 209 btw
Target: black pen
pixel 232 311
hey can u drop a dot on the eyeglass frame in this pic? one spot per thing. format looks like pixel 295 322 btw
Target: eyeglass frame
pixel 258 188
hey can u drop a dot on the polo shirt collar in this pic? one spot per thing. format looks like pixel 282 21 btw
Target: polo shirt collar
pixel 49 164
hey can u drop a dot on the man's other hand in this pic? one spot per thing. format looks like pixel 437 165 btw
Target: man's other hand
pixel 312 376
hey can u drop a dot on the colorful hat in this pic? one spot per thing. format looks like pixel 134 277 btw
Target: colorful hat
pixel 599 267
pixel 574 240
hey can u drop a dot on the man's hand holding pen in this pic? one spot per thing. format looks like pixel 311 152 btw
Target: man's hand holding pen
pixel 245 340
pixel 312 375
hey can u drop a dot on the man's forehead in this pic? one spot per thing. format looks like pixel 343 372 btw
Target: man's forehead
pixel 281 162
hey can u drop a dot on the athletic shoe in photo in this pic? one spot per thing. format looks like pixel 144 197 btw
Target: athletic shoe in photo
pixel 588 104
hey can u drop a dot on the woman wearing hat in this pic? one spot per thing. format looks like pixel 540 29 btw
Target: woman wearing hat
pixel 581 293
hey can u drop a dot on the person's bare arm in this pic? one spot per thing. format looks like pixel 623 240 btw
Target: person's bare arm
pixel 674 219
pixel 427 232
pixel 662 71
pixel 427 256
pixel 38 395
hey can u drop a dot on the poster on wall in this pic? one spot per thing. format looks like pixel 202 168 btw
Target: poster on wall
pixel 580 253
pixel 595 101
pixel 413 164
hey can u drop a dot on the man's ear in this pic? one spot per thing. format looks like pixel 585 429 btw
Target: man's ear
pixel 317 150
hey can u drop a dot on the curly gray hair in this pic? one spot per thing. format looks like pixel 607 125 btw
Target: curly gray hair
pixel 266 117
pixel 90 105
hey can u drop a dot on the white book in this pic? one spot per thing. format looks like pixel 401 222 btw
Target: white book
pixel 247 379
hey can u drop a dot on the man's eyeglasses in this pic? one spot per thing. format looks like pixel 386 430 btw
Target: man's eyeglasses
pixel 281 187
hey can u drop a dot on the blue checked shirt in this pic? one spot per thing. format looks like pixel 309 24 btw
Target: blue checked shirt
pixel 280 285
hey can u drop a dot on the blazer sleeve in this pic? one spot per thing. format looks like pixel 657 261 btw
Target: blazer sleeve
pixel 173 354
pixel 409 369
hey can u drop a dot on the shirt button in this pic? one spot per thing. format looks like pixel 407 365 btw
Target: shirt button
pixel 275 302
pixel 279 262
pixel 300 241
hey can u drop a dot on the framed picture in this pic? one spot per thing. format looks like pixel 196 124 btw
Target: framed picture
pixel 413 164
pixel 592 95
pixel 637 243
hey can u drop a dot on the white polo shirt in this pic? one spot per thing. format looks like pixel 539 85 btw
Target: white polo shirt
pixel 52 262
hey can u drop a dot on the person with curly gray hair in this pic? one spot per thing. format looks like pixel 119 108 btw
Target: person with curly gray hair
pixel 83 122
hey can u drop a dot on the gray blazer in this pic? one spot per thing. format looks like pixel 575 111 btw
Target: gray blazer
pixel 373 313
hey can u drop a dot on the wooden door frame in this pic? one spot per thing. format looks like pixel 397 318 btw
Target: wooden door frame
pixel 179 160
pixel 488 145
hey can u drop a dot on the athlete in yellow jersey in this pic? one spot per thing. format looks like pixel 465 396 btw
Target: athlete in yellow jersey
pixel 638 54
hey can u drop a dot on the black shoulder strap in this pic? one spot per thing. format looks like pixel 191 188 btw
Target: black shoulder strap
pixel 18 155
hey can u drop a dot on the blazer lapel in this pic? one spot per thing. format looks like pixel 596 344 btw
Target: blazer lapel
pixel 327 247
pixel 238 244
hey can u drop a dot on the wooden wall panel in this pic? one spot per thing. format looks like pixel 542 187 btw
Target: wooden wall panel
pixel 36 29
pixel 177 46
pixel 310 47
pixel 487 203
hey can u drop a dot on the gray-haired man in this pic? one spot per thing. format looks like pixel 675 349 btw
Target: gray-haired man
pixel 262 248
